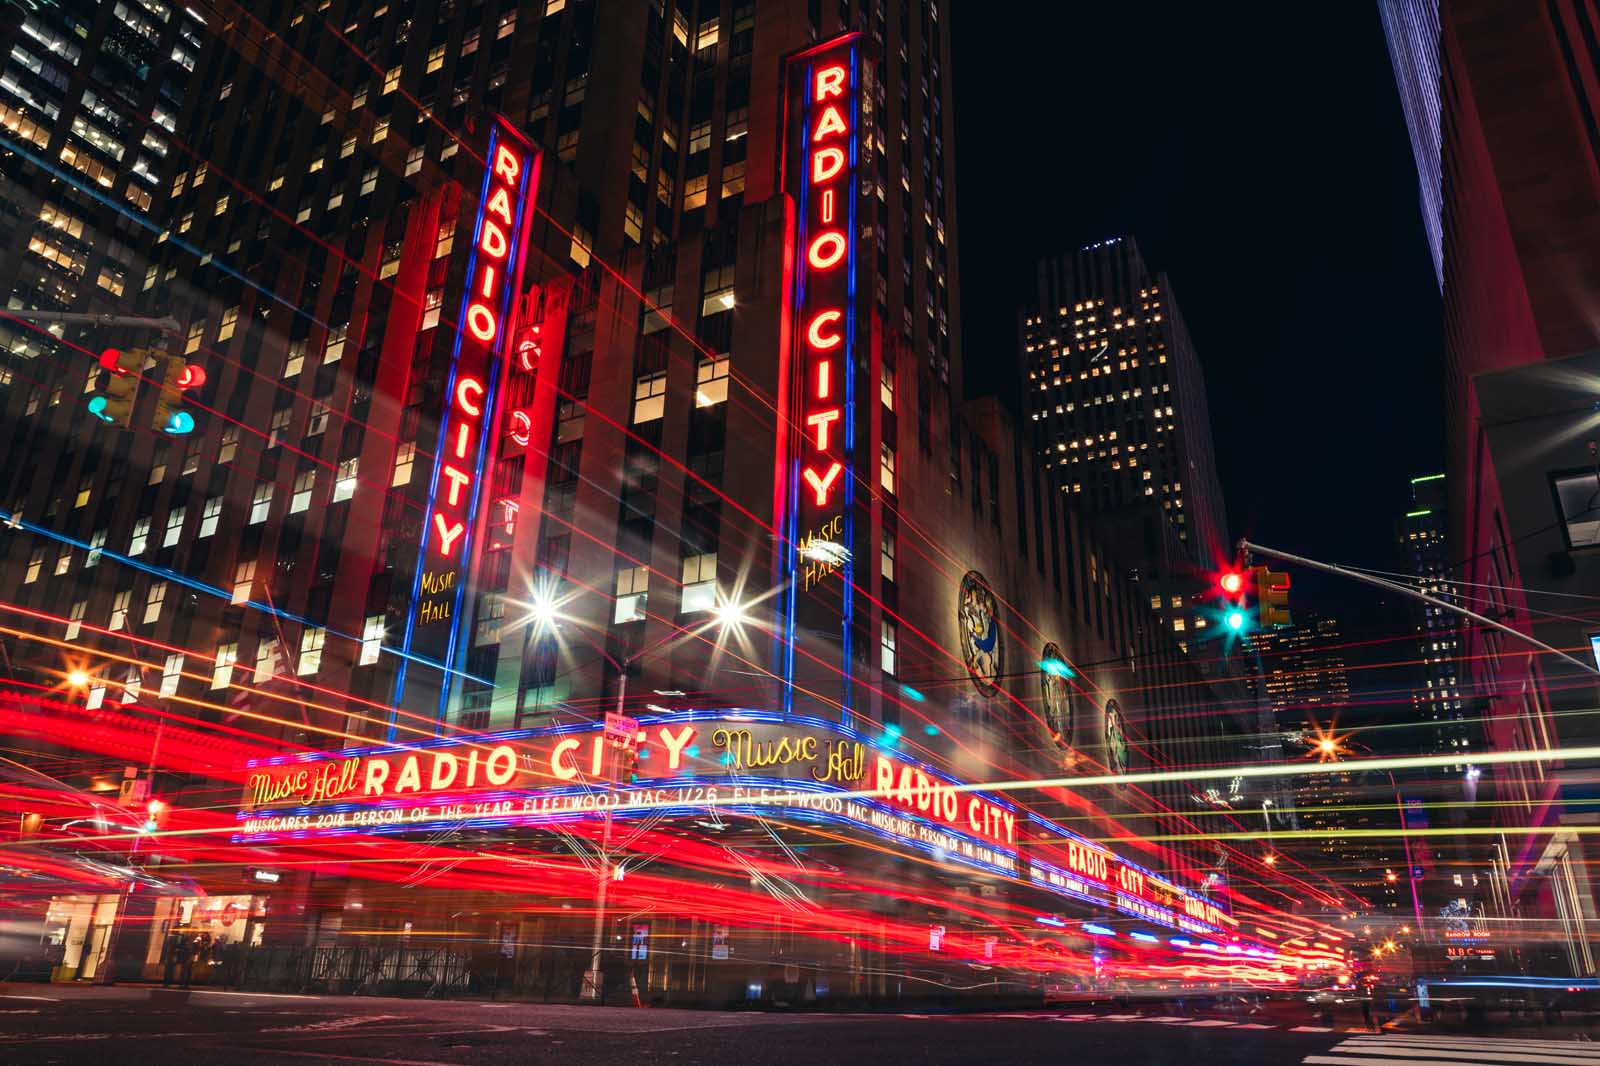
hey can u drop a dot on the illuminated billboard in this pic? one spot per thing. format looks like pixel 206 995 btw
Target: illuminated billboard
pixel 817 431
pixel 492 283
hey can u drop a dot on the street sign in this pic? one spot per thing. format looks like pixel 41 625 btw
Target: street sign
pixel 621 727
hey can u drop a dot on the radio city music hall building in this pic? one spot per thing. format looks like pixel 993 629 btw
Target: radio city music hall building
pixel 542 358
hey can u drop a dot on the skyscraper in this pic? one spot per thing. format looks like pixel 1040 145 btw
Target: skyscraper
pixel 1411 28
pixel 1437 699
pixel 1115 397
pixel 1304 673
pixel 90 94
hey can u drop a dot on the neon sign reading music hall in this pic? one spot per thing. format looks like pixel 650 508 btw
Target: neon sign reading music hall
pixel 492 283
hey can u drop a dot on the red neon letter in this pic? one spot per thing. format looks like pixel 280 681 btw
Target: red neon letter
pixel 825 163
pixel 448 535
pixel 830 82
pixel 458 480
pixel 821 421
pixel 481 322
pixel 500 205
pixel 826 250
pixel 486 282
pixel 462 433
pixel 506 164
pixel 469 387
pixel 493 240
pixel 814 335
pixel 830 122
pixel 824 484
pixel 824 379
pixel 521 427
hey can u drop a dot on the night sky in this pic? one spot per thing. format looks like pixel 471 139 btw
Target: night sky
pixel 1263 163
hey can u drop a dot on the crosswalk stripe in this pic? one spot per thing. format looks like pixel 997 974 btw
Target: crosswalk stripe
pixel 1572 1047
pixel 1312 1029
pixel 1409 1050
pixel 1255 1025
pixel 1351 1060
pixel 1211 1022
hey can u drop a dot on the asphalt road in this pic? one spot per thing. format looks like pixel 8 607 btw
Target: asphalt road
pixel 44 1024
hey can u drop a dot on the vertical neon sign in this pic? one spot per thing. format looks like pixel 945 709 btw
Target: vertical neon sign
pixel 820 171
pixel 492 283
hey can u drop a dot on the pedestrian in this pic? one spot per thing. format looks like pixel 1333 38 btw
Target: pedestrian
pixel 171 948
pixel 186 953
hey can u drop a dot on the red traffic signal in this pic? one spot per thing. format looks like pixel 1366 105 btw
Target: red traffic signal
pixel 1231 582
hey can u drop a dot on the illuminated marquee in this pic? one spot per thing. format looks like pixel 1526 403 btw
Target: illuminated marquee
pixel 493 281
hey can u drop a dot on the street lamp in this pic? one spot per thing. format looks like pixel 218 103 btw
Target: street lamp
pixel 727 616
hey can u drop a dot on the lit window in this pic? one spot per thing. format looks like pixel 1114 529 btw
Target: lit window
pixel 1177 625
pixel 75 619
pixel 140 538
pixel 303 484
pixel 97 541
pixel 718 290
pixel 699 583
pixel 133 686
pixel 633 587
pixel 649 397
pixel 404 456
pixel 886 555
pixel 261 503
pixel 244 576
pixel 222 672
pixel 888 645
pixel 35 564
pixel 174 526
pixel 658 309
pixel 435 59
pixel 707 35
pixel 268 660
pixel 886 384
pixel 296 359
pixel 210 517
pixel 344 485
pixel 334 351
pixel 432 301
pixel 279 426
pixel 171 674
pixel 372 634
pixel 228 446
pixel 391 80
pixel 119 610
pixel 153 602
pixel 711 381
pixel 694 192
pixel 886 464
pixel 311 651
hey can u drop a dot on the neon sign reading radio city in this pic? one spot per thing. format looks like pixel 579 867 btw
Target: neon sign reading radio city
pixel 493 281
pixel 828 176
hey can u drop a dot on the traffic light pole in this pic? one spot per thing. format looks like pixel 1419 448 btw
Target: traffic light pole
pixel 1406 590
pixel 167 324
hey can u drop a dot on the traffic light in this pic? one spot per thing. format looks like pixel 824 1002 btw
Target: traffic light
pixel 115 404
pixel 1272 597
pixel 1234 591
pixel 157 812
pixel 169 416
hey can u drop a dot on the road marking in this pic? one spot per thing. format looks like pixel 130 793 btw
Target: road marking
pixel 1446 1049
pixel 1212 1022
pixel 1312 1029
pixel 1256 1025
pixel 1168 1018
pixel 1569 1047
pixel 347 1058
pixel 250 995
pixel 1122 1017
pixel 33 999
pixel 1346 1060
